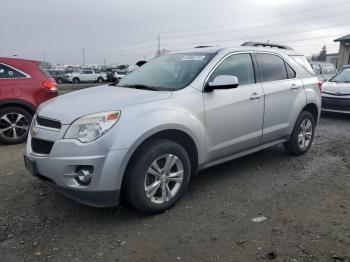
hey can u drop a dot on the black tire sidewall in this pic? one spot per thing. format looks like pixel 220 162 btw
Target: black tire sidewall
pixel 294 139
pixel 76 80
pixel 138 169
pixel 25 113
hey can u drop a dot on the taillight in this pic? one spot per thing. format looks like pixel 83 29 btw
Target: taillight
pixel 50 85
pixel 319 82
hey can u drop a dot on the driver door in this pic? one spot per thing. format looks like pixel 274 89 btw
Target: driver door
pixel 234 117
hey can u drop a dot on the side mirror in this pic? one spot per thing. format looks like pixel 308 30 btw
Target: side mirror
pixel 222 82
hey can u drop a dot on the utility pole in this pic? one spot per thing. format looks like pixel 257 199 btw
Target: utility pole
pixel 83 55
pixel 44 56
pixel 158 51
pixel 104 61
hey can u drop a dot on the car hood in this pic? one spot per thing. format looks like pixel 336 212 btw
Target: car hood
pixel 334 88
pixel 69 107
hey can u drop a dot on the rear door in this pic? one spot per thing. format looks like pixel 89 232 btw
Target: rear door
pixel 284 93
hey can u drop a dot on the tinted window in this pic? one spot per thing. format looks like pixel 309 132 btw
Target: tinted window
pixel 290 72
pixel 8 72
pixel 272 67
pixel 239 65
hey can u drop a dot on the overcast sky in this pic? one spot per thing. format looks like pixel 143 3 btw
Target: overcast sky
pixel 126 31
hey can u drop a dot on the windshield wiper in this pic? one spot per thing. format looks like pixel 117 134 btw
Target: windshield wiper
pixel 144 87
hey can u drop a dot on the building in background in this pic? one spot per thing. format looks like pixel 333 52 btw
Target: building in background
pixel 344 51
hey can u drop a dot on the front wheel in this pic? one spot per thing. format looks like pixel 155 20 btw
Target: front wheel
pixel 76 80
pixel 100 80
pixel 158 176
pixel 302 136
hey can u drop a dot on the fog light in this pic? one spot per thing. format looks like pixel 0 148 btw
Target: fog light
pixel 84 175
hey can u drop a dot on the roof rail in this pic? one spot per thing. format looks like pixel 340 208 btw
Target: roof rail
pixel 263 44
pixel 203 46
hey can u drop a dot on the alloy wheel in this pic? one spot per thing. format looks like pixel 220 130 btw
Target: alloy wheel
pixel 164 178
pixel 305 134
pixel 13 126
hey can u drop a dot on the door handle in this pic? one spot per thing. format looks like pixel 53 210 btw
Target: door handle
pixel 255 96
pixel 294 86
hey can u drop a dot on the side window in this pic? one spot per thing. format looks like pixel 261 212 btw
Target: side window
pixel 8 72
pixel 240 65
pixel 290 72
pixel 272 67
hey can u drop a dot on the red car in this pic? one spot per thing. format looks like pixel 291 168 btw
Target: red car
pixel 23 87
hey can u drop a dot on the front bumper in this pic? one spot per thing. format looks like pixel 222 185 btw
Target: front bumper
pixel 336 104
pixel 57 167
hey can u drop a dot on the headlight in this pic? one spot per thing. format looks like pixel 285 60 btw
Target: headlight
pixel 89 128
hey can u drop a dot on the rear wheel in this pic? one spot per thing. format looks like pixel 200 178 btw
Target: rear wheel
pixel 59 80
pixel 76 80
pixel 14 125
pixel 158 176
pixel 302 136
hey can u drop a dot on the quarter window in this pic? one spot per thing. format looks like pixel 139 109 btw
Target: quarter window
pixel 290 72
pixel 8 72
pixel 272 67
pixel 239 65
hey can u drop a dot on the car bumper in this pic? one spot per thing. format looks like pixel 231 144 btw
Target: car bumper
pixel 336 104
pixel 59 169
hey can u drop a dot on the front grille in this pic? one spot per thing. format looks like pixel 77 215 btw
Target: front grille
pixel 336 103
pixel 42 121
pixel 40 146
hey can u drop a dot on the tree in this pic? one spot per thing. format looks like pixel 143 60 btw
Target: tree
pixel 323 54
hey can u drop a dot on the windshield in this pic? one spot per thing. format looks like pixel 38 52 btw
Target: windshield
pixel 168 72
pixel 342 77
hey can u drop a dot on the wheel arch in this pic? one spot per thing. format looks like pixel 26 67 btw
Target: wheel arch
pixel 179 136
pixel 19 103
pixel 313 109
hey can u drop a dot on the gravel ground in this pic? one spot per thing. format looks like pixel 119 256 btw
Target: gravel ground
pixel 306 202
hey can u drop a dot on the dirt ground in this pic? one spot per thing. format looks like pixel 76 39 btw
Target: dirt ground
pixel 305 199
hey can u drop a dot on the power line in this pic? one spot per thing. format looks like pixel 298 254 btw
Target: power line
pixel 142 40
pixel 230 31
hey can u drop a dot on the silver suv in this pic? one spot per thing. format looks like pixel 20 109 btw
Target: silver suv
pixel 178 114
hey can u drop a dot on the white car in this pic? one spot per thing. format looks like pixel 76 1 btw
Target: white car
pixel 336 93
pixel 86 76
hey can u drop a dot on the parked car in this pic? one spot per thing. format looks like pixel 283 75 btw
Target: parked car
pixel 324 71
pixel 336 93
pixel 57 74
pixel 109 74
pixel 177 114
pixel 118 76
pixel 87 75
pixel 23 87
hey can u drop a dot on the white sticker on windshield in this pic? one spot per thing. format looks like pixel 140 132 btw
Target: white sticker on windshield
pixel 193 58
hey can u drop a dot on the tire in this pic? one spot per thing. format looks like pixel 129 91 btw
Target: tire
pixel 138 177
pixel 19 117
pixel 59 81
pixel 100 80
pixel 76 80
pixel 295 145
